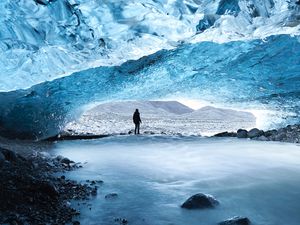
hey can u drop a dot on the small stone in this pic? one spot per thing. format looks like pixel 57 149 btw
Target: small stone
pixel 200 201
pixel 237 220
pixel 94 191
pixel 111 196
pixel 93 182
pixel 124 221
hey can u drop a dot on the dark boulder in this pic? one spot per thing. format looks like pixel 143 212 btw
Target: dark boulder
pixel 237 220
pixel 200 201
pixel 270 133
pixel 226 134
pixel 241 133
pixel 66 161
pixel 253 133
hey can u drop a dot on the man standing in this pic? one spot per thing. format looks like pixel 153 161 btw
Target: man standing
pixel 137 120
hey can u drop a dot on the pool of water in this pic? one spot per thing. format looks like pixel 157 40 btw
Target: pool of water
pixel 153 176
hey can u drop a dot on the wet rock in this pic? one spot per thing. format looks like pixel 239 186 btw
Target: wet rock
pixel 66 161
pixel 241 133
pixel 200 201
pixel 290 133
pixel 280 136
pixel 254 133
pixel 9 155
pixel 49 189
pixel 261 138
pixel 33 195
pixel 237 220
pixel 270 133
pixel 2 159
pixel 94 191
pixel 226 134
pixel 121 220
pixel 111 196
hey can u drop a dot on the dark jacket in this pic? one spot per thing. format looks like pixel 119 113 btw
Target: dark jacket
pixel 136 117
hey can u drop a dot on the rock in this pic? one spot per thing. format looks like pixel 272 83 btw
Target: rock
pixel 280 136
pixel 59 158
pixel 270 133
pixel 2 159
pixel 255 133
pixel 124 221
pixel 111 196
pixel 262 138
pixel 76 223
pixel 241 133
pixel 94 191
pixel 121 220
pixel 149 132
pixel 9 155
pixel 226 134
pixel 66 161
pixel 200 201
pixel 237 220
pixel 49 189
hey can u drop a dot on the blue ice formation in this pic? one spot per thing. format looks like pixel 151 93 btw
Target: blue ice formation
pixel 58 55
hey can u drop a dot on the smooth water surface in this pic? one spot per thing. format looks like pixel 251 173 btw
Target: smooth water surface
pixel 154 175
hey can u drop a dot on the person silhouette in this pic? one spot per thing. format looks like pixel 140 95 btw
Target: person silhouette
pixel 137 120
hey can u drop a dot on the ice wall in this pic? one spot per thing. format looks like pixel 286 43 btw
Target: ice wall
pixel 41 40
pixel 258 73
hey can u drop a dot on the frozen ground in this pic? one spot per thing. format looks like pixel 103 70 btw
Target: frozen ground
pixel 153 175
pixel 168 117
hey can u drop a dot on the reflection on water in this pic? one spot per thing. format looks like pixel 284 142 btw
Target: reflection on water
pixel 154 175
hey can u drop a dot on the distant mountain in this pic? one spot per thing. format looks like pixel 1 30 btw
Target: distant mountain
pixel 169 109
pixel 153 108
pixel 212 113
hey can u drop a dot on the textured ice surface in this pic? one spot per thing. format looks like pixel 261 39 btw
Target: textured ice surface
pixel 153 176
pixel 259 74
pixel 160 117
pixel 44 40
pixel 238 59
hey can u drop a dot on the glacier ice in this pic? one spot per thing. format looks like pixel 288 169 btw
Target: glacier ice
pixel 59 55
pixel 41 40
pixel 261 73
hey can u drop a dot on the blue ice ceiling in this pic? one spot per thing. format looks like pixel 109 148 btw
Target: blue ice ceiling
pixel 59 55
